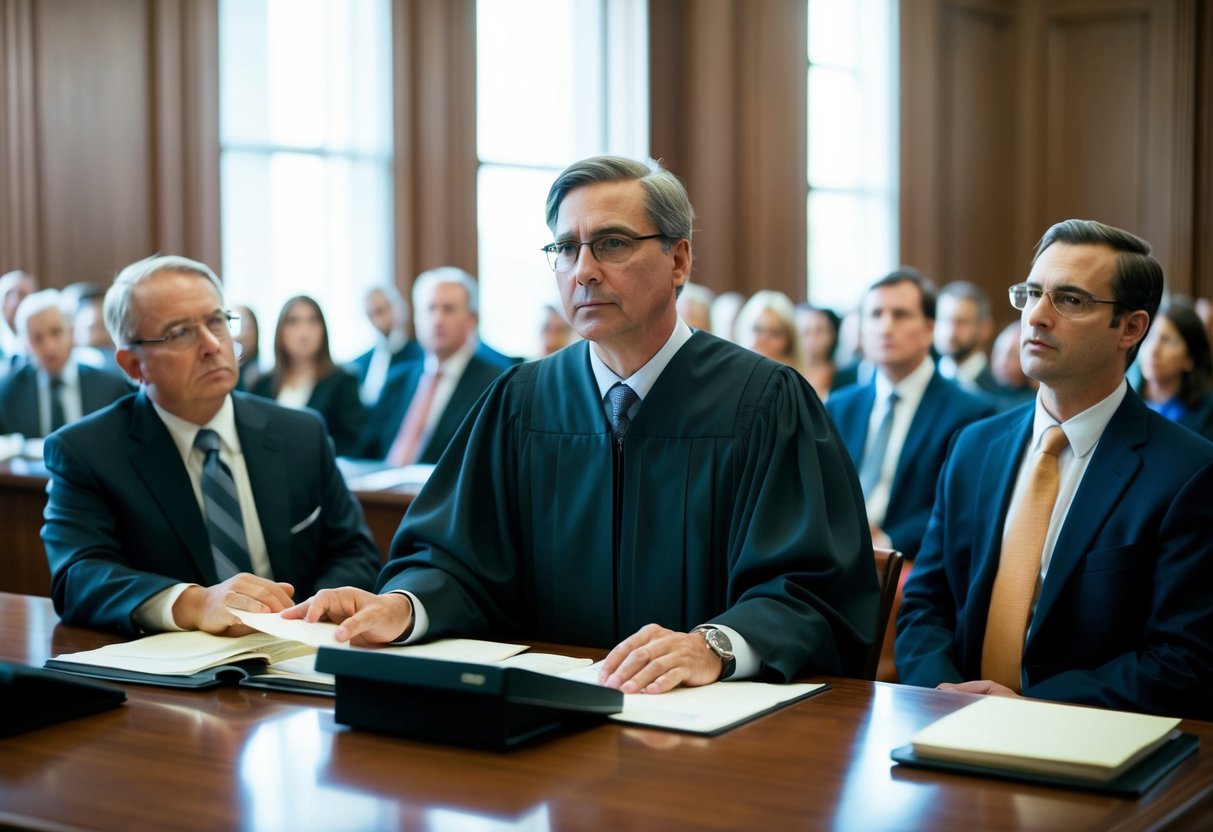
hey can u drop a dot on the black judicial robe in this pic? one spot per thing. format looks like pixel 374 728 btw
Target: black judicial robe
pixel 737 501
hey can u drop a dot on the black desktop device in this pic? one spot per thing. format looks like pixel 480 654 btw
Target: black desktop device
pixel 483 705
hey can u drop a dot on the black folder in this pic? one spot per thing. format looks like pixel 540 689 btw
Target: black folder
pixel 481 705
pixel 33 698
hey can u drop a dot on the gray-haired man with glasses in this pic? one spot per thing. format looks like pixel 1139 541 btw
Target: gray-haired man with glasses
pixel 653 490
pixel 187 498
pixel 1069 554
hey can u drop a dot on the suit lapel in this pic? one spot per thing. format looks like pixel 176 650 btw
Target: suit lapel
pixel 854 427
pixel 1113 466
pixel 157 461
pixel 999 468
pixel 926 419
pixel 269 476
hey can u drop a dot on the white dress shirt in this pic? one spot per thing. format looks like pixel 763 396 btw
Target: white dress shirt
pixel 910 391
pixel 381 362
pixel 156 614
pixel 966 372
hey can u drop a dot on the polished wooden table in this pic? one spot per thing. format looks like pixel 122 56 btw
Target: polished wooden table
pixel 237 759
pixel 23 566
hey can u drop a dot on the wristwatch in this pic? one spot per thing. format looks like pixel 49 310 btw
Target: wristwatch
pixel 718 642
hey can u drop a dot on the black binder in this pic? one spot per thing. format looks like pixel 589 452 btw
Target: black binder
pixel 458 702
pixel 33 698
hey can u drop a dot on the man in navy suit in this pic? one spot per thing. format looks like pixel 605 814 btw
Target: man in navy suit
pixel 1119 615
pixel 130 527
pixel 424 402
pixel 897 427
pixel 52 389
pixel 388 314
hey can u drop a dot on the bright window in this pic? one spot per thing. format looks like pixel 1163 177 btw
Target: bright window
pixel 852 147
pixel 557 80
pixel 305 103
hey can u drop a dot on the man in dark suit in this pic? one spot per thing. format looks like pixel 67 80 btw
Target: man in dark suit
pixel 388 314
pixel 424 402
pixel 52 389
pixel 897 427
pixel 186 499
pixel 1112 604
pixel 963 325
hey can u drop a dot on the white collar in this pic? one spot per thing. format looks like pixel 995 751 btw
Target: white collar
pixel 1082 431
pixel 642 380
pixel 184 432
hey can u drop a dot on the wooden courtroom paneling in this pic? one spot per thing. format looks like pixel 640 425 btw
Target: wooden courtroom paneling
pixel 111 134
pixel 1020 113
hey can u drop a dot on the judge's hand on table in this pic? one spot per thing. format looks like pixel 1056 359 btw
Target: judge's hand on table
pixel 364 618
pixel 206 607
pixel 656 660
pixel 984 686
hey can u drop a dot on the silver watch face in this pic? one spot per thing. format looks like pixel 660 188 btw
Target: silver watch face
pixel 719 642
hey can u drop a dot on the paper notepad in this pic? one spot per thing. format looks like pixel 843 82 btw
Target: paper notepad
pixel 1044 738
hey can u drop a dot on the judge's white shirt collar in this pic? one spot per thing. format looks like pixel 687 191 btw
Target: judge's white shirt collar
pixel 642 380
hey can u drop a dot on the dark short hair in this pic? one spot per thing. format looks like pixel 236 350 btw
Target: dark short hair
pixel 1137 280
pixel 665 197
pixel 907 274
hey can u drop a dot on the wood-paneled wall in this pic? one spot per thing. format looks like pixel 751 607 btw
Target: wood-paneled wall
pixel 1014 114
pixel 109 149
pixel 1020 113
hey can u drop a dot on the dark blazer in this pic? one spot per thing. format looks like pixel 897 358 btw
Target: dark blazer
pixel 335 397
pixel 387 416
pixel 1200 417
pixel 943 411
pixel 486 353
pixel 123 523
pixel 1123 619
pixel 19 396
pixel 360 366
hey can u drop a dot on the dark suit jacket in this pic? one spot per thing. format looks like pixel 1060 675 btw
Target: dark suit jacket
pixel 19 396
pixel 1124 618
pixel 335 397
pixel 360 366
pixel 122 521
pixel 486 353
pixel 1200 417
pixel 943 411
pixel 387 416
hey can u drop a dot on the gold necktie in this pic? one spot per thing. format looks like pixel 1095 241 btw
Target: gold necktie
pixel 1019 567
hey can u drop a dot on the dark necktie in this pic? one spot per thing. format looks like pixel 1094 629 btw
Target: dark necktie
pixel 622 397
pixel 224 521
pixel 58 420
pixel 873 460
pixel 1019 567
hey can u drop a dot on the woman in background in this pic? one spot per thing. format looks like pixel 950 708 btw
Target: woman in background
pixel 819 338
pixel 1177 369
pixel 767 325
pixel 304 374
pixel 250 353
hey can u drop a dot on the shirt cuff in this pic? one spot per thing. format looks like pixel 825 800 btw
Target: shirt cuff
pixel 747 661
pixel 421 621
pixel 155 615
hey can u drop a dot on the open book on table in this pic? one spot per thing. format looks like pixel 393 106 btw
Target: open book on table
pixel 280 656
pixel 1052 743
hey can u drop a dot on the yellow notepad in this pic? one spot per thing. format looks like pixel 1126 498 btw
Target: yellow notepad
pixel 1044 738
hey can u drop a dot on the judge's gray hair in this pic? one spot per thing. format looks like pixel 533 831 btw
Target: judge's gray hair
pixel 665 197
pixel 120 318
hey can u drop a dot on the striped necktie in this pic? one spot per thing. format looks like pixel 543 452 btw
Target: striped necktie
pixel 224 521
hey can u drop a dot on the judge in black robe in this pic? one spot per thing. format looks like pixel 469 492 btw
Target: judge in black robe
pixel 738 507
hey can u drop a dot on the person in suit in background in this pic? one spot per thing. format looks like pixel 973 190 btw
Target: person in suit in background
pixel 52 389
pixel 766 324
pixel 388 314
pixel 555 333
pixel 304 374
pixel 15 286
pixel 187 498
pixel 1014 386
pixel 898 426
pixel 424 402
pixel 818 329
pixel 1069 555
pixel 963 325
pixel 695 306
pixel 248 347
pixel 1177 369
